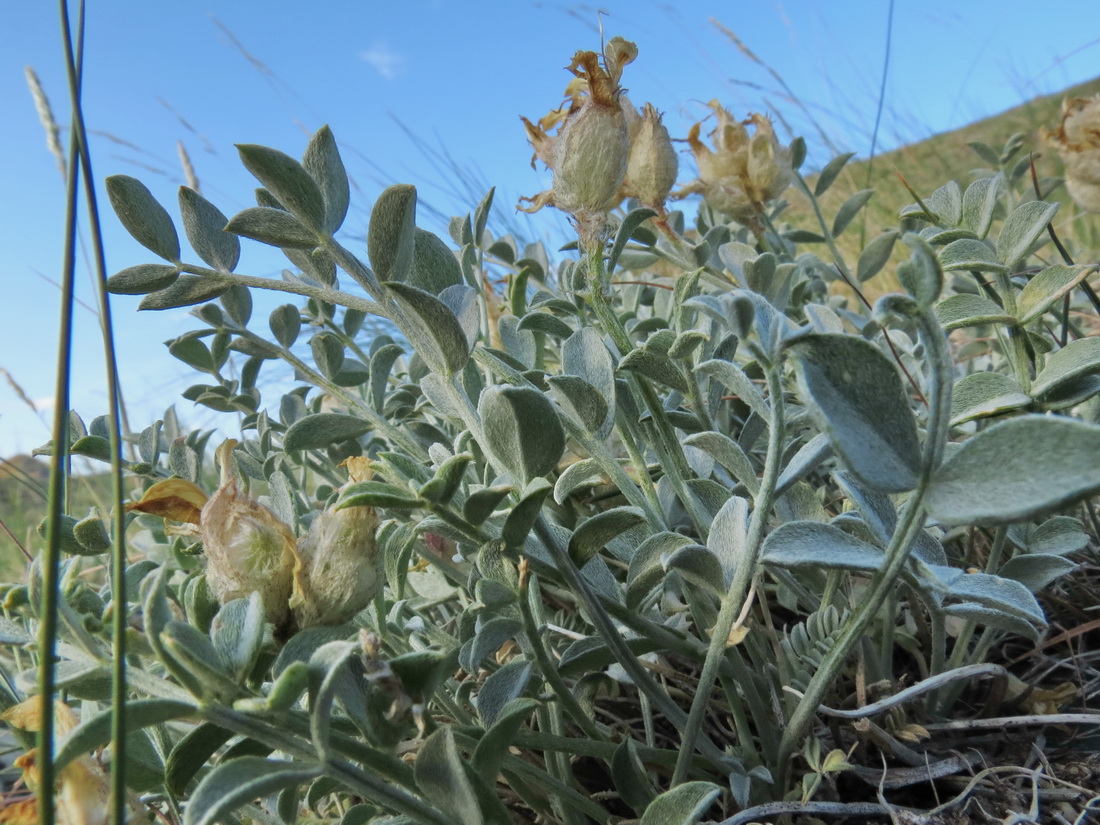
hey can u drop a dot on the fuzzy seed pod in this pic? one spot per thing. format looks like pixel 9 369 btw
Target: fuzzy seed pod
pixel 1077 140
pixel 340 567
pixel 651 170
pixel 247 547
pixel 590 152
pixel 741 173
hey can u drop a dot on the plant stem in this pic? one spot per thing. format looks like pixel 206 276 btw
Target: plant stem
pixel 897 552
pixel 734 600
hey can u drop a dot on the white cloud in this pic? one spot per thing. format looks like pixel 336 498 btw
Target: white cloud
pixel 384 60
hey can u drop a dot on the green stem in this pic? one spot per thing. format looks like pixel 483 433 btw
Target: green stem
pixel 734 600
pixel 320 293
pixel 550 670
pixel 826 230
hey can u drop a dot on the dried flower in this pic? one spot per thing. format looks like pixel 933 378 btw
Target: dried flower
pixel 589 154
pixel 340 568
pixel 84 785
pixel 741 173
pixel 1077 140
pixel 247 547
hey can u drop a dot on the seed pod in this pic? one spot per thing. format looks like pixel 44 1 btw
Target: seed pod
pixel 340 568
pixel 741 174
pixel 589 155
pixel 651 170
pixel 1077 140
pixel 247 547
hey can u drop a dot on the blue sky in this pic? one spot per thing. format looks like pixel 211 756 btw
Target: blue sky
pixel 456 74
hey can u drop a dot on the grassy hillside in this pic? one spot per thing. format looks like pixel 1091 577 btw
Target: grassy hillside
pixel 930 163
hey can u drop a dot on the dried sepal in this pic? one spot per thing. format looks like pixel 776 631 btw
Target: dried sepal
pixel 652 167
pixel 1077 140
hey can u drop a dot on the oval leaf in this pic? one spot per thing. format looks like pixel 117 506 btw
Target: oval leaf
pixel 432 328
pixel 322 429
pixel 522 429
pixel 142 279
pixel 683 805
pixel 205 224
pixel 272 226
pixel 144 218
pixel 812 544
pixel 240 781
pixel 285 178
pixel 857 398
pixel 1016 470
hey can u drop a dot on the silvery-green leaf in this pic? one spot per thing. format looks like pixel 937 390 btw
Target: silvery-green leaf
pixel 583 403
pixel 683 805
pixel 946 204
pixel 240 781
pixel 205 224
pixel 1021 229
pixel 493 746
pixel 447 479
pixel 990 617
pixel 1016 470
pixel 584 354
pixel 858 399
pixel 432 328
pixel 546 323
pixel 381 363
pixel 238 305
pixel 645 570
pixel 875 255
pixel 441 777
pixel 970 311
pixel 95 732
pixel 829 173
pixel 191 651
pixel 655 365
pixel 631 222
pixel 285 178
pixel 577 476
pixel 595 532
pixel 729 454
pixel 285 324
pixel 984 394
pixel 481 214
pixel 522 430
pixel 877 509
pixel 698 566
pixel 1055 536
pixel 391 236
pixel 501 688
pixel 629 776
pixel 1048 286
pixel 144 218
pixel 979 203
pixel 1036 571
pixel 185 291
pixel 434 266
pixel 728 539
pixel 481 504
pixel 273 227
pixel 323 163
pixel 1072 361
pixel 142 279
pixel 849 209
pixel 970 254
pixel 238 634
pixel 522 518
pixel 328 353
pixel 992 591
pixel 811 544
pixel 519 343
pixel 735 380
pixel 321 429
pixel 809 456
pixel 592 653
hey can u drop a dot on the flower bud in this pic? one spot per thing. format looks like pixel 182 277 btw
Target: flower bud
pixel 652 167
pixel 741 173
pixel 247 547
pixel 340 568
pixel 1077 140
